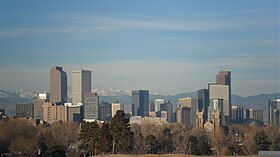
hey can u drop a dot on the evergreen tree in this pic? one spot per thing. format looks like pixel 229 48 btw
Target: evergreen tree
pixel 277 144
pixel 104 143
pixel 88 136
pixel 121 133
pixel 42 144
pixel 262 141
pixel 151 144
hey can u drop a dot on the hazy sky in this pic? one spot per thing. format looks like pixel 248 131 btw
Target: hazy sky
pixel 167 47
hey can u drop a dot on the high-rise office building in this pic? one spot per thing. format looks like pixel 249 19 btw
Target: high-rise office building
pixel 25 110
pixel 237 114
pixel 105 111
pixel 254 117
pixel 215 106
pixel 192 104
pixel 224 78
pixel 217 91
pixel 157 104
pixel 273 112
pixel 58 85
pixel 38 105
pixel 55 113
pixel 140 102
pixel 183 116
pixel 151 105
pixel 168 107
pixel 81 84
pixel 75 112
pixel 203 102
pixel 91 106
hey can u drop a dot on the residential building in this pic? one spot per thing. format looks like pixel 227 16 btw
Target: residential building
pixel 25 110
pixel 140 102
pixel 58 85
pixel 55 113
pixel 91 104
pixel 81 84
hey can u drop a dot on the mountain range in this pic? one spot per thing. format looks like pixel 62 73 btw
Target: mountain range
pixel 9 99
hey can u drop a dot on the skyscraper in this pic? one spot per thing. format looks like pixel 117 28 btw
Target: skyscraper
pixel 254 117
pixel 115 107
pixel 168 107
pixel 273 112
pixel 105 111
pixel 157 104
pixel 217 91
pixel 140 102
pixel 223 78
pixel 192 104
pixel 91 106
pixel 81 84
pixel 202 102
pixel 58 85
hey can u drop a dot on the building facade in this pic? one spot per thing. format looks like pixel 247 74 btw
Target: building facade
pixel 39 105
pixel 192 104
pixel 55 113
pixel 58 85
pixel 254 117
pixel 115 107
pixel 183 116
pixel 203 102
pixel 140 102
pixel 91 106
pixel 273 112
pixel 81 84
pixel 217 91
pixel 25 110
pixel 105 111
pixel 237 114
pixel 157 104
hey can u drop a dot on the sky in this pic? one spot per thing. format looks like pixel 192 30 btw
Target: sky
pixel 166 46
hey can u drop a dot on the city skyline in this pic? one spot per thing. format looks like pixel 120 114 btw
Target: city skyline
pixel 168 49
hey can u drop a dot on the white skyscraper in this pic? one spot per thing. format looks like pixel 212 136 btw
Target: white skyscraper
pixel 81 84
pixel 157 104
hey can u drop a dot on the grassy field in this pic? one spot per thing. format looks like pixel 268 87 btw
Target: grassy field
pixel 164 155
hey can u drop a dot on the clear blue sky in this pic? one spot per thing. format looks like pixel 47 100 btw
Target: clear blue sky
pixel 165 46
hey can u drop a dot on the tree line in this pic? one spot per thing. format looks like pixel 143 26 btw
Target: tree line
pixel 19 138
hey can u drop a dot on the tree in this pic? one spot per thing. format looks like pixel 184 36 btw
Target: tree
pixel 166 145
pixel 42 145
pixel 121 133
pixel 88 136
pixel 104 143
pixel 262 141
pixel 151 145
pixel 199 142
pixel 277 144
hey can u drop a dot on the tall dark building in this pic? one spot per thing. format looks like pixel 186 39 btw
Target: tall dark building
pixel 223 78
pixel 140 102
pixel 25 110
pixel 104 111
pixel 58 85
pixel 203 101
